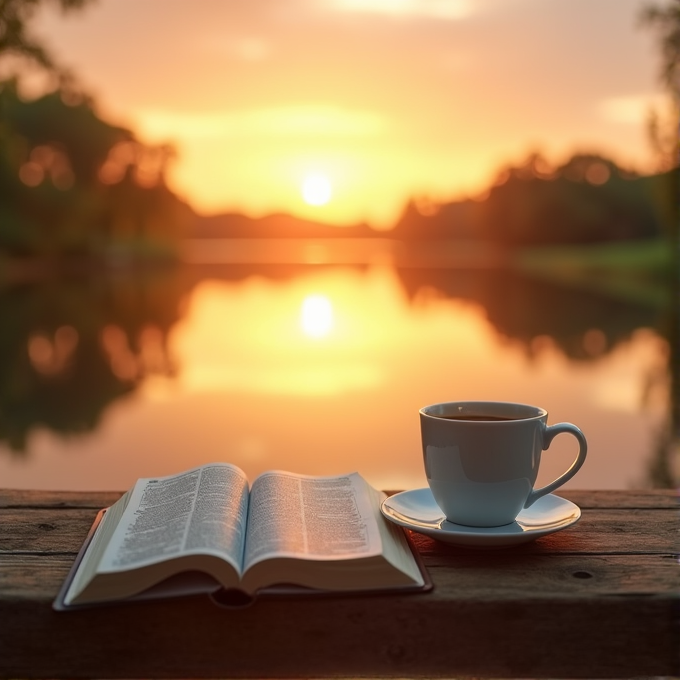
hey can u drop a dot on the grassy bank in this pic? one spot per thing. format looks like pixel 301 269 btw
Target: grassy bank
pixel 123 255
pixel 638 271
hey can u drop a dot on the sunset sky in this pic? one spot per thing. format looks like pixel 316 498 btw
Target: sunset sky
pixel 340 110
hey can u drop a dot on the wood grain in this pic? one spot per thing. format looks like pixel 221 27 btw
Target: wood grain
pixel 627 530
pixel 21 498
pixel 601 599
pixel 657 498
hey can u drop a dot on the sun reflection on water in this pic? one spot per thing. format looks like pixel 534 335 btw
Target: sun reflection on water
pixel 324 372
pixel 316 316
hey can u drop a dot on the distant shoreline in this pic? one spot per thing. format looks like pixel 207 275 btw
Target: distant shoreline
pixel 650 259
pixel 346 250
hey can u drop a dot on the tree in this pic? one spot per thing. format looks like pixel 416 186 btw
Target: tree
pixel 16 38
pixel 666 21
pixel 663 130
pixel 70 182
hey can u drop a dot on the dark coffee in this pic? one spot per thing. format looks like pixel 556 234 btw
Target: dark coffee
pixel 457 416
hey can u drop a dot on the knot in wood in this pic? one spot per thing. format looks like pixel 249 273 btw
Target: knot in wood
pixel 583 574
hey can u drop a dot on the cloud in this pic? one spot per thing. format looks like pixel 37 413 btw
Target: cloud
pixel 303 120
pixel 248 48
pixel 632 110
pixel 433 9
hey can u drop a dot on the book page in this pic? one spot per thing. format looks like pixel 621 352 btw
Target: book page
pixel 323 518
pixel 395 546
pixel 200 511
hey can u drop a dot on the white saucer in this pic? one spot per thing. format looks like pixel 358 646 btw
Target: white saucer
pixel 417 510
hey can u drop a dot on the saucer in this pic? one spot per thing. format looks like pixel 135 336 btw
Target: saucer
pixel 417 510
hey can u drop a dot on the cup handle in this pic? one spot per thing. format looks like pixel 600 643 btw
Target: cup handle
pixel 551 431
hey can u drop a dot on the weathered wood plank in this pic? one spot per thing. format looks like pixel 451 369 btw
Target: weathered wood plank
pixel 601 599
pixel 620 499
pixel 44 530
pixel 18 498
pixel 656 498
pixel 408 636
pixel 529 577
pixel 598 531
pixel 467 576
pixel 626 531
pixel 32 577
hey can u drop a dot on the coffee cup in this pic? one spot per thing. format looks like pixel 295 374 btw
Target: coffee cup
pixel 482 458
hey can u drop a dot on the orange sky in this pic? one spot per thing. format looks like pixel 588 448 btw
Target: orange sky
pixel 386 99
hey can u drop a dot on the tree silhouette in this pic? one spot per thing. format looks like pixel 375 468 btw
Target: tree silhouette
pixel 666 21
pixel 71 183
pixel 17 39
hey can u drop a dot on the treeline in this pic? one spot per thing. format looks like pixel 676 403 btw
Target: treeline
pixel 277 225
pixel 72 184
pixel 587 200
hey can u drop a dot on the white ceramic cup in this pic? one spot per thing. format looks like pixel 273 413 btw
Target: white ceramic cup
pixel 481 470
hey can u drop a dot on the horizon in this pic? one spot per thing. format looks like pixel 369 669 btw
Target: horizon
pixel 298 112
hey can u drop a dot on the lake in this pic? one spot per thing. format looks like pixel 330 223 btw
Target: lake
pixel 315 358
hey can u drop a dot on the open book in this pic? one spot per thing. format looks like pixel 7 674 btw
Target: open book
pixel 320 533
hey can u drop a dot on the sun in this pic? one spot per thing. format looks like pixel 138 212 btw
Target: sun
pixel 316 189
pixel 316 316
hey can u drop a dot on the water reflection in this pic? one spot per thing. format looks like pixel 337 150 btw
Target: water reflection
pixel 70 348
pixel 316 316
pixel 584 326
pixel 318 369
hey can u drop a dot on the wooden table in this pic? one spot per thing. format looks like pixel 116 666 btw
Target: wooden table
pixel 601 599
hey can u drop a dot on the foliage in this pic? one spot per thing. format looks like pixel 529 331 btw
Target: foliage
pixel 665 19
pixel 73 184
pixel 15 37
pixel 587 200
pixel 665 136
pixel 70 182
